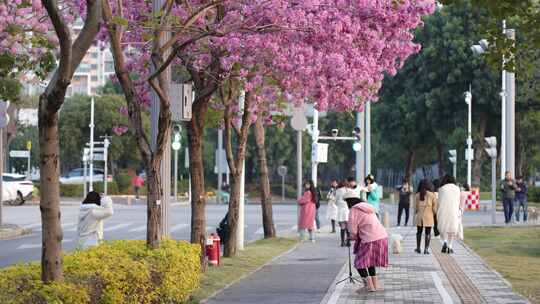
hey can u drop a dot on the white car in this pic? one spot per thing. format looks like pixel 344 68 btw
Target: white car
pixel 16 188
pixel 76 176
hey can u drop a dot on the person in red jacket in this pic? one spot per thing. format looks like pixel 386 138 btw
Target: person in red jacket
pixel 137 182
pixel 306 219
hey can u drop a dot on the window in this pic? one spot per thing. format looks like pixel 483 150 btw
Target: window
pixel 95 55
pixel 94 78
pixel 8 178
pixel 93 66
pixel 109 67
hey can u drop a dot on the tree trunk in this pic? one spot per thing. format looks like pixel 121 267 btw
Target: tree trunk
pixel 154 230
pixel 229 249
pixel 198 195
pixel 51 235
pixel 409 165
pixel 266 196
pixel 479 152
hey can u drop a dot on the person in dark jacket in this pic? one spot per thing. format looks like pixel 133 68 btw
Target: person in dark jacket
pixel 508 189
pixel 404 201
pixel 521 199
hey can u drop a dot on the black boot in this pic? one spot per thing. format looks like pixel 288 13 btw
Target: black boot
pixel 342 235
pixel 418 241
pixel 444 248
pixel 333 226
pixel 426 245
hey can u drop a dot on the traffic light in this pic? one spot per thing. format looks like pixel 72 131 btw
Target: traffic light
pixel 176 145
pixel 4 116
pixel 492 146
pixel 453 156
pixel 357 146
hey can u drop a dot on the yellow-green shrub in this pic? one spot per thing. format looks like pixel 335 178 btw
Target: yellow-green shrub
pixel 114 272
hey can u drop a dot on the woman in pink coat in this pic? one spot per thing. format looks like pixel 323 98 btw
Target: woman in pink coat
pixel 370 244
pixel 306 219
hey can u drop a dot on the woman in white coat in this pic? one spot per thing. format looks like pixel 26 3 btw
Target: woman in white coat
pixel 448 212
pixel 342 211
pixel 331 209
pixel 94 209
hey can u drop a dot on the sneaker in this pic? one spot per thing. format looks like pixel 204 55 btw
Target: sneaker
pixel 450 251
pixel 418 251
pixel 426 251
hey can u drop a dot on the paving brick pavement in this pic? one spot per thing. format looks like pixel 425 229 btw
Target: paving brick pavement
pixel 462 277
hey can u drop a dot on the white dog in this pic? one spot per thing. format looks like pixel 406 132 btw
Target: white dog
pixel 396 243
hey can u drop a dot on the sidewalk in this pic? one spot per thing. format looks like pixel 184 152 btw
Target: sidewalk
pixel 308 274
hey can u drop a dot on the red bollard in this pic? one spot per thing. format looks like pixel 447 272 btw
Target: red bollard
pixel 212 249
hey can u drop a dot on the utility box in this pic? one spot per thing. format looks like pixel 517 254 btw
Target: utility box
pixel 181 95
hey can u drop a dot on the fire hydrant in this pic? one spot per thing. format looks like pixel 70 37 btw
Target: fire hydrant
pixel 213 244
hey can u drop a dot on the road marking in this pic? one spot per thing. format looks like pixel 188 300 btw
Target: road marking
pixel 116 227
pixel 32 226
pixel 440 288
pixel 139 229
pixel 64 226
pixel 38 245
pixel 178 227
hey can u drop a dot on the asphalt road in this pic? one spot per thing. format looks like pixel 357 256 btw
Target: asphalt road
pixel 129 222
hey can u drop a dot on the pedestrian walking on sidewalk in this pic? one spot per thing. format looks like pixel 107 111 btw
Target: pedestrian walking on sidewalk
pixel 521 199
pixel 342 211
pixel 464 196
pixel 448 214
pixel 317 206
pixel 425 205
pixel 306 221
pixel 404 204
pixel 370 244
pixel 94 209
pixel 508 189
pixel 332 209
pixel 137 182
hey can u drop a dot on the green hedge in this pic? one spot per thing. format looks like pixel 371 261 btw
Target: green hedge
pixel 114 272
pixel 534 194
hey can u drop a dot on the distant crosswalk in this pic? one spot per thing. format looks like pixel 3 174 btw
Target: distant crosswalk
pixel 137 230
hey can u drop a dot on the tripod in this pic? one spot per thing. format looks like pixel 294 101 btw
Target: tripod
pixel 350 278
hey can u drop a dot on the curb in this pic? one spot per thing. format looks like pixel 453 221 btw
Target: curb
pixel 248 274
pixel 9 231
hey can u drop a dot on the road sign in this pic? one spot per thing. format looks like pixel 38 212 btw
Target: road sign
pixel 282 170
pixel 99 149
pixel 99 157
pixel 320 152
pixel 19 153
pixel 29 145
pixel 299 120
pixel 224 165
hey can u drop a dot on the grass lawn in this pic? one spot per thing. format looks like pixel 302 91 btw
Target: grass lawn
pixel 255 255
pixel 514 252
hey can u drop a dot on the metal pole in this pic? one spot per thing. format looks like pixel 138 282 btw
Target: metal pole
pixel 314 140
pixel 455 169
pixel 299 164
pixel 91 159
pixel 105 168
pixel 165 169
pixel 363 150
pixel 503 114
pixel 186 165
pixel 175 175
pixel 1 175
pixel 283 188
pixel 493 189
pixel 219 160
pixel 28 170
pixel 241 201
pixel 358 154
pixel 510 115
pixel 469 139
pixel 85 174
pixel 368 138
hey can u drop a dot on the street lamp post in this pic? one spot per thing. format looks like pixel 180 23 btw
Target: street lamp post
pixel 176 145
pixel 469 153
pixel 507 105
pixel 492 152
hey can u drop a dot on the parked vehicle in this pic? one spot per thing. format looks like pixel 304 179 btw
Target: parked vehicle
pixel 16 189
pixel 76 176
